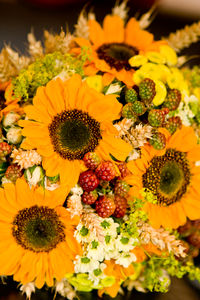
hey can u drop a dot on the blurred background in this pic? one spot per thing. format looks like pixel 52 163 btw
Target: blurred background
pixel 19 17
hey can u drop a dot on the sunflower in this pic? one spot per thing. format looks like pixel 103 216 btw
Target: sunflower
pixel 172 176
pixel 37 242
pixel 112 46
pixel 67 120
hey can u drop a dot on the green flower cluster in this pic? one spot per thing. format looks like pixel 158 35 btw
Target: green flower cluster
pixel 136 214
pixel 45 69
pixel 157 268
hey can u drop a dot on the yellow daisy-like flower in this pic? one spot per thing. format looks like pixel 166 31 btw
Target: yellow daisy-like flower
pixel 112 45
pixel 69 119
pixel 172 176
pixel 37 234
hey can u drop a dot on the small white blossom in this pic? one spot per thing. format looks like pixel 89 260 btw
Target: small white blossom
pixel 125 259
pixel 95 250
pixel 83 234
pixel 65 289
pixel 97 274
pixel 124 243
pixel 85 264
pixel 77 190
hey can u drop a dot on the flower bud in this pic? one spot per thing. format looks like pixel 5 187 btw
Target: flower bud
pixel 14 135
pixel 10 119
pixel 34 175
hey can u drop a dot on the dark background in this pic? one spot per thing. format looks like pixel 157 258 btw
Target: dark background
pixel 17 19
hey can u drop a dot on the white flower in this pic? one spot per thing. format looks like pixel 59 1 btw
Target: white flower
pixel 109 227
pixel 26 159
pixel 124 243
pixel 97 274
pixel 95 250
pixel 85 264
pixel 125 259
pixel 83 234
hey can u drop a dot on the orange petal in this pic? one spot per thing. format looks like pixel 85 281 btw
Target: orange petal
pixel 113 27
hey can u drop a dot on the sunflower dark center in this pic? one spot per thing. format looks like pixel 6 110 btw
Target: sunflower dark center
pixel 74 133
pixel 38 229
pixel 168 177
pixel 117 55
pixel 2 100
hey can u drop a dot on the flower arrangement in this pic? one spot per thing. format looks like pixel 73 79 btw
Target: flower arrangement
pixel 100 159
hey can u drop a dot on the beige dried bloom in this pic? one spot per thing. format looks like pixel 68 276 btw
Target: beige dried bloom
pixel 124 126
pixel 147 18
pixel 26 159
pixel 136 136
pixel 183 38
pixel 28 289
pixel 81 28
pixel 121 10
pixel 161 238
pixel 74 205
pixel 11 63
pixel 65 289
pixel 93 222
pixel 57 42
pixel 35 47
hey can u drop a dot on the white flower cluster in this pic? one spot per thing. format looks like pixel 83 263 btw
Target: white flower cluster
pixel 113 246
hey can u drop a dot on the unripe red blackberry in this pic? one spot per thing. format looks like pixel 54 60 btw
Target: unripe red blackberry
pixel 5 149
pixel 88 181
pixel 124 171
pixel 128 113
pixel 121 206
pixel 138 108
pixel 121 188
pixel 172 100
pixel 105 206
pixel 89 197
pixel 147 90
pixel 106 171
pixel 13 172
pixel 91 160
pixel 173 124
pixel 156 117
pixel 131 96
pixel 158 141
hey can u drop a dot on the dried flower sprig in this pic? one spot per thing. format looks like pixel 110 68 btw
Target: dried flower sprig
pixel 11 63
pixel 57 42
pixel 162 239
pixel 81 28
pixel 183 38
pixel 121 10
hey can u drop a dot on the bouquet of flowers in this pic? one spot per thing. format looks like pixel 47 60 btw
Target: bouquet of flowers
pixel 100 159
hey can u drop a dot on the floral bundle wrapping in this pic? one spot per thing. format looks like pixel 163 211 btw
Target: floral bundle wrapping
pixel 100 159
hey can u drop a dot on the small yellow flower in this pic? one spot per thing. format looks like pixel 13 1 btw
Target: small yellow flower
pixel 169 54
pixel 95 82
pixel 156 57
pixel 161 93
pixel 138 60
pixel 175 80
